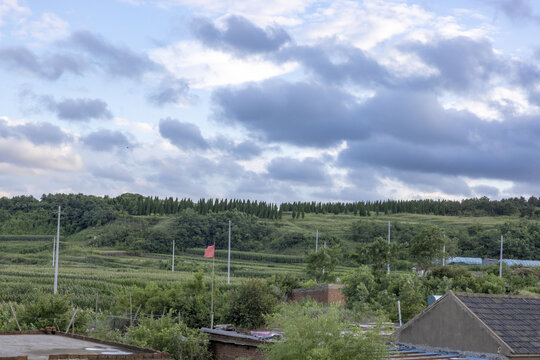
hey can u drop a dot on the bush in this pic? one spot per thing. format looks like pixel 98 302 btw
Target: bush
pixel 249 302
pixel 315 332
pixel 165 334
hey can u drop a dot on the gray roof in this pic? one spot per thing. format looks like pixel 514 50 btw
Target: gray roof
pixel 514 319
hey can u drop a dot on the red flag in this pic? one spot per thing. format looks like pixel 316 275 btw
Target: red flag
pixel 209 252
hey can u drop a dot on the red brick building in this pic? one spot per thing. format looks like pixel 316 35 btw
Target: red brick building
pixel 326 294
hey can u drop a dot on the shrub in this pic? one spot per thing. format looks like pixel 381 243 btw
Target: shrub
pixel 165 334
pixel 315 332
pixel 249 302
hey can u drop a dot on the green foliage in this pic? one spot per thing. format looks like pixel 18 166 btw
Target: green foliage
pixel 315 332
pixel 321 264
pixel 165 334
pixel 249 302
pixel 377 253
pixel 286 283
pixel 189 299
pixel 369 292
pixel 427 246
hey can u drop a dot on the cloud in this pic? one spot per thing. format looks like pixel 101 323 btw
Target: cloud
pixel 49 27
pixel 244 150
pixel 26 154
pixel 170 91
pixel 431 140
pixel 114 60
pixel 183 135
pixel 336 63
pixel 115 173
pixel 77 109
pixel 49 67
pixel 106 140
pixel 308 171
pixel 298 113
pixel 475 66
pixel 516 9
pixel 486 190
pixel 11 7
pixel 205 67
pixel 38 133
pixel 44 133
pixel 240 36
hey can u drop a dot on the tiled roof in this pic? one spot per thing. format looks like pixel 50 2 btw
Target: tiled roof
pixel 516 320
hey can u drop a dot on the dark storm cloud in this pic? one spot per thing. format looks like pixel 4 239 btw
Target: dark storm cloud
pixel 240 36
pixel 37 132
pixel 308 171
pixel 106 140
pixel 115 60
pixel 297 113
pixel 170 91
pixel 77 109
pixel 50 67
pixel 463 63
pixel 182 134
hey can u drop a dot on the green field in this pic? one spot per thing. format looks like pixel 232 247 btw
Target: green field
pixel 86 271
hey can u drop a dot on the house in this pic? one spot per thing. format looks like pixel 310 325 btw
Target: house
pixel 481 325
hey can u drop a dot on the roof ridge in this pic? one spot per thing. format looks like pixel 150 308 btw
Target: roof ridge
pixel 483 295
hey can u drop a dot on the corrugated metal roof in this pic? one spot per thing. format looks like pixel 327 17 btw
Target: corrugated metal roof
pixel 478 261
pixel 465 260
pixel 415 354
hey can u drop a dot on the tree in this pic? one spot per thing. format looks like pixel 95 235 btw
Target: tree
pixel 249 302
pixel 315 332
pixel 377 253
pixel 427 246
pixel 321 264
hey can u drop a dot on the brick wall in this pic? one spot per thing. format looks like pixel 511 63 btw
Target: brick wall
pixel 230 345
pixel 228 351
pixel 326 294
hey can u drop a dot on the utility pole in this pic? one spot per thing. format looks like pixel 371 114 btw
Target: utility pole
pixel 57 251
pixel 173 255
pixel 53 250
pixel 212 299
pixel 317 240
pixel 388 265
pixel 501 260
pixel 444 255
pixel 229 257
pixel 324 250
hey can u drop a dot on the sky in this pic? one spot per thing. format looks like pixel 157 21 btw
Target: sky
pixel 284 100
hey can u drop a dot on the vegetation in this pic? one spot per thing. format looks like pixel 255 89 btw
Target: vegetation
pixel 313 332
pixel 166 334
pixel 115 264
